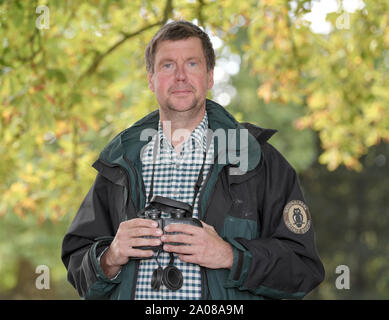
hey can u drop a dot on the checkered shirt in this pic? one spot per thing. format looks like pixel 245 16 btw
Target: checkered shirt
pixel 174 177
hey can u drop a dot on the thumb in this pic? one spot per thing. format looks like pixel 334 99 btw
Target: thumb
pixel 207 226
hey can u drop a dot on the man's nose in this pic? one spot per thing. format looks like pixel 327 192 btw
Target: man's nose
pixel 181 73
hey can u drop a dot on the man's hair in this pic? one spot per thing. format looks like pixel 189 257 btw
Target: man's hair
pixel 179 30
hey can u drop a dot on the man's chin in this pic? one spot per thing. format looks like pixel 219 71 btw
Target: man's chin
pixel 182 106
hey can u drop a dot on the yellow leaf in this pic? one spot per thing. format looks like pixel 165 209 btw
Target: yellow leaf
pixel 265 91
pixel 317 100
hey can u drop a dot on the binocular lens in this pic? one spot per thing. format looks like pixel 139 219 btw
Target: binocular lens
pixel 154 213
pixel 178 213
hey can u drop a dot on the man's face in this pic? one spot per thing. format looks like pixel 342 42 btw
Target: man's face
pixel 180 80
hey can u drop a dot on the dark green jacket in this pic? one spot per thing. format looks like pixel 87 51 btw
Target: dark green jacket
pixel 247 210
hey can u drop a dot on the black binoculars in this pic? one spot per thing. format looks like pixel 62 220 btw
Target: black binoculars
pixel 167 211
pixel 177 212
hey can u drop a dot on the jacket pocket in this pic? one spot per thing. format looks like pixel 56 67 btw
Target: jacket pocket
pixel 239 228
pixel 243 191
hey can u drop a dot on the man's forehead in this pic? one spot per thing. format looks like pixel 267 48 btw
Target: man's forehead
pixel 191 46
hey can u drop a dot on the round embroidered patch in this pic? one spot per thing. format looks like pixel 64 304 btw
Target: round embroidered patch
pixel 297 217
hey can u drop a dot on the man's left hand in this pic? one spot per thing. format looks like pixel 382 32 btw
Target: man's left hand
pixel 205 247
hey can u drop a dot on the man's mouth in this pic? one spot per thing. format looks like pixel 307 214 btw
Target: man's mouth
pixel 181 92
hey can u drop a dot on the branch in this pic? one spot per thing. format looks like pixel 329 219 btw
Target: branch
pixel 200 12
pixel 293 43
pixel 96 62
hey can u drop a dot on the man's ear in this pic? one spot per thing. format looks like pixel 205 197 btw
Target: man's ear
pixel 210 79
pixel 150 81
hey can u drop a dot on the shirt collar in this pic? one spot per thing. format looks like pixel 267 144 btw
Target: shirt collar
pixel 199 134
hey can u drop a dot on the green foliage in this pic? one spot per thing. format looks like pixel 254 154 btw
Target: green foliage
pixel 298 146
pixel 340 77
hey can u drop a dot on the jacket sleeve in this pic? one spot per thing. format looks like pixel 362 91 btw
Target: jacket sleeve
pixel 282 263
pixel 89 234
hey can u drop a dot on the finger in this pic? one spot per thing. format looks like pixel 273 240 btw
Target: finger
pixel 139 232
pixel 207 226
pixel 189 258
pixel 139 222
pixel 182 238
pixel 185 228
pixel 140 253
pixel 142 242
pixel 204 224
pixel 180 249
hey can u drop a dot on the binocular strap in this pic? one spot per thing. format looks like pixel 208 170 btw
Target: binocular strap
pixel 199 178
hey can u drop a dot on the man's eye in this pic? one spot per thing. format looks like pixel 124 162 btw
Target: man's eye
pixel 167 65
pixel 192 64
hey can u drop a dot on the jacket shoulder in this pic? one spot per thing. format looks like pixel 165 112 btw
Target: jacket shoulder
pixel 132 135
pixel 271 157
pixel 261 134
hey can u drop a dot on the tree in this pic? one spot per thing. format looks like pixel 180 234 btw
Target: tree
pixel 62 88
pixel 72 76
pixel 340 77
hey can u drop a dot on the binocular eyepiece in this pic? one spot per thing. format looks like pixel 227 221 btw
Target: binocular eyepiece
pixel 156 214
pixel 152 214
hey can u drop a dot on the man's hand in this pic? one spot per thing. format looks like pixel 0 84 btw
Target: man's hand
pixel 206 248
pixel 127 237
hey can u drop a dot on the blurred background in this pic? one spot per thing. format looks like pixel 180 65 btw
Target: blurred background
pixel 72 76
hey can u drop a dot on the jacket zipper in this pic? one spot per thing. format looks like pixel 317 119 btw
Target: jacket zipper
pixel 135 280
pixel 204 278
pixel 202 191
pixel 126 206
pixel 136 180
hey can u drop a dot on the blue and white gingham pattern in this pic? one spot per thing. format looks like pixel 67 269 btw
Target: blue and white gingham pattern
pixel 174 177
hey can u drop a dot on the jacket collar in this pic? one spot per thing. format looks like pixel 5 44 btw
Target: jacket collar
pixel 129 143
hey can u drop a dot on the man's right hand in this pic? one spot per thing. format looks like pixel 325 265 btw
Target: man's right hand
pixel 128 236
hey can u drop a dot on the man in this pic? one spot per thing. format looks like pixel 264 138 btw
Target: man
pixel 256 238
